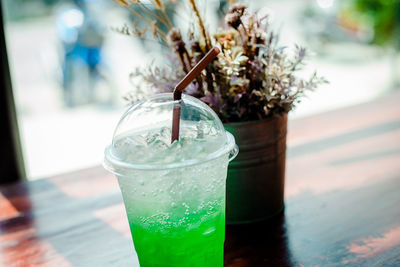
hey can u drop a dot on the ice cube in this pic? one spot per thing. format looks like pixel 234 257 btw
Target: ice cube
pixel 158 145
pixel 165 133
pixel 128 145
pixel 151 137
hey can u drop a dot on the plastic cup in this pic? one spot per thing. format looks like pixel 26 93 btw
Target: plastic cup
pixel 175 206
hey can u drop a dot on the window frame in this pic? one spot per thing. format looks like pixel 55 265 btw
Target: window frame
pixel 12 168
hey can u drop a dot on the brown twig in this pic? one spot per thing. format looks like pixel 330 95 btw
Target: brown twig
pixel 149 23
pixel 149 11
pixel 244 28
pixel 201 25
pixel 161 10
pixel 182 61
pixel 166 17
pixel 179 47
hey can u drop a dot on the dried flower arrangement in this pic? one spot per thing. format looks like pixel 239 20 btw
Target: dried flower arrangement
pixel 253 77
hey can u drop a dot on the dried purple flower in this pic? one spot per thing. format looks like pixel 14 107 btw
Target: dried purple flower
pixel 302 53
pixel 195 47
pixel 238 8
pixel 213 101
pixel 233 20
pixel 174 35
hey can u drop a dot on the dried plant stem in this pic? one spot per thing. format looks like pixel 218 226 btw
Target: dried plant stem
pixel 244 28
pixel 202 28
pixel 166 17
pixel 122 2
pixel 162 34
pixel 150 12
pixel 209 80
pixel 182 61
pixel 158 4
pixel 188 58
pixel 161 12
pixel 184 58
pixel 199 81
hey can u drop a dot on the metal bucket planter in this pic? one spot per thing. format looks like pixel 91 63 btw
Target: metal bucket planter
pixel 256 178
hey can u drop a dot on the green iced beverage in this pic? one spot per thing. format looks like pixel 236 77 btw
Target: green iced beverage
pixel 178 218
pixel 174 194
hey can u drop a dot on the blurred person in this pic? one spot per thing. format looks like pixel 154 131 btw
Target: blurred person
pixel 82 36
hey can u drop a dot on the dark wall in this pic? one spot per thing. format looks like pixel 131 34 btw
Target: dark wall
pixel 11 163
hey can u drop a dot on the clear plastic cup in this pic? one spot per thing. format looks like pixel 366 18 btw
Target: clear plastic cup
pixel 174 195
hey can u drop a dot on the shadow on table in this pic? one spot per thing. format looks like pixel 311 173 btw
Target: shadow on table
pixel 258 244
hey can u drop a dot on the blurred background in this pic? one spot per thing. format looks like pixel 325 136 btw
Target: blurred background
pixel 70 71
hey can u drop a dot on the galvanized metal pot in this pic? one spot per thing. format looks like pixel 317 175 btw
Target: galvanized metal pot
pixel 256 178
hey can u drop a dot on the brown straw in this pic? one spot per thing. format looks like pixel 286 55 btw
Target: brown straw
pixel 193 73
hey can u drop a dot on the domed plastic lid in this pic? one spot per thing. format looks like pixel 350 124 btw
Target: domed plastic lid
pixel 142 139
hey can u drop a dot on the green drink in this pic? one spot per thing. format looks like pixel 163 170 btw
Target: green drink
pixel 178 222
pixel 174 195
pixel 196 247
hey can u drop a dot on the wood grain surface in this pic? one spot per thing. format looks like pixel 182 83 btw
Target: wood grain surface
pixel 342 199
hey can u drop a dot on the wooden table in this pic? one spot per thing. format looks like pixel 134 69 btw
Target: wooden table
pixel 342 204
